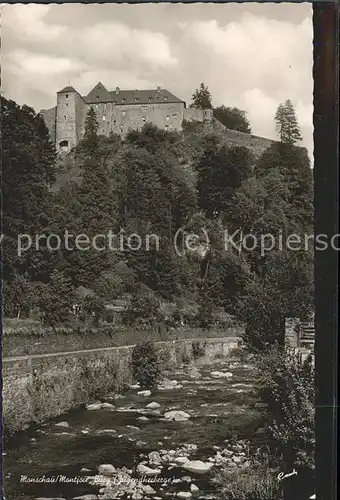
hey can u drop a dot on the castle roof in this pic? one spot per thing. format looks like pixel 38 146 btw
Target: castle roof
pixel 68 88
pixel 100 94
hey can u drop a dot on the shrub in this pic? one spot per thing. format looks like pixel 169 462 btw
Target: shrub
pixel 145 364
pixel 287 385
pixel 186 359
pixel 252 483
pixel 198 350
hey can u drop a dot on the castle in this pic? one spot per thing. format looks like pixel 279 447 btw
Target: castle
pixel 117 111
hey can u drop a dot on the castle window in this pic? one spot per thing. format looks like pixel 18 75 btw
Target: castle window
pixel 124 99
pixel 166 127
pixel 165 98
pixel 144 108
pixel 174 114
pixel 144 119
pixel 66 95
pixel 136 99
pixel 150 98
pixel 64 117
pixel 97 97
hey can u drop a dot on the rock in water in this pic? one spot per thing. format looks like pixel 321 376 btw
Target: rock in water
pixel 154 458
pixel 184 494
pixel 194 488
pixel 148 490
pixel 153 405
pixel 147 471
pixel 177 415
pixel 221 374
pixel 94 406
pixel 144 393
pixel 109 406
pixel 197 466
pixel 107 469
pixel 181 460
pixel 62 424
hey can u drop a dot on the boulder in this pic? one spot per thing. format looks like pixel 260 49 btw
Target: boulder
pixel 106 431
pixel 109 406
pixel 153 405
pixel 217 374
pixel 134 386
pixel 144 393
pixel 177 415
pixel 147 471
pixel 181 460
pixel 62 424
pixel 148 490
pixel 154 458
pixel 197 466
pixel 107 469
pixel 194 488
pixel 143 419
pixel 94 406
pixel 184 494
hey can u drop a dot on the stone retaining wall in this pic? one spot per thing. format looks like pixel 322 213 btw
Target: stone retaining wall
pixel 39 387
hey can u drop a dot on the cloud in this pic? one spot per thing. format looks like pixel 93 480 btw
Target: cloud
pixel 120 44
pixel 256 63
pixel 27 22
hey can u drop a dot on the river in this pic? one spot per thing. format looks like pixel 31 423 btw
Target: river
pixel 61 461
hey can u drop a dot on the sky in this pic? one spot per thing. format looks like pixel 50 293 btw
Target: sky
pixel 250 56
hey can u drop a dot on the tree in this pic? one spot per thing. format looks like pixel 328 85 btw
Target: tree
pixel 201 98
pixel 293 165
pixel 232 118
pixel 91 128
pixel 283 287
pixel 28 171
pixel 286 123
pixel 59 299
pixel 220 172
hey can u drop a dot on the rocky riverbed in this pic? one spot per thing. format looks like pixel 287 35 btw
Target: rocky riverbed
pixel 165 443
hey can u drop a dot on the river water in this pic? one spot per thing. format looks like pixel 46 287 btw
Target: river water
pixel 41 462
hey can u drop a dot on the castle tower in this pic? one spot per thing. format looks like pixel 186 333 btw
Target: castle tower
pixel 70 117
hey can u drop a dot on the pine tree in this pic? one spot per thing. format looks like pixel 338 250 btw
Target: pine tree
pixel 59 299
pixel 286 123
pixel 201 98
pixel 91 128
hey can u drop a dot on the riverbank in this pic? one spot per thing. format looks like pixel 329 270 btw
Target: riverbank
pixel 199 413
pixel 40 387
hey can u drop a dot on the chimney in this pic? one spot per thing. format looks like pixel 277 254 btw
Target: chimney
pixel 158 89
pixel 117 90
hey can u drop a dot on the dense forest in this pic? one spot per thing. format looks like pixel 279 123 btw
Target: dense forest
pixel 157 182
